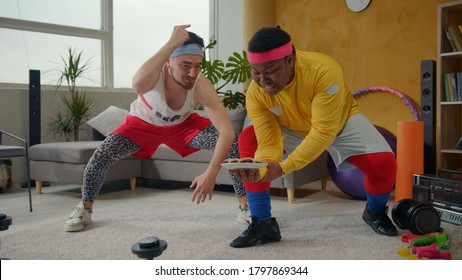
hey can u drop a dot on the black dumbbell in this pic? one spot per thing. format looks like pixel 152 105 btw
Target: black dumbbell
pixel 419 218
pixel 5 221
pixel 149 247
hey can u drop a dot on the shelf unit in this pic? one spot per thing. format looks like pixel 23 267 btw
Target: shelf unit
pixel 449 114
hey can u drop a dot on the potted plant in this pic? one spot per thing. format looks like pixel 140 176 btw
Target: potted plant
pixel 77 104
pixel 235 71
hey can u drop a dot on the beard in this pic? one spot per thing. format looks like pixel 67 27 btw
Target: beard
pixel 185 83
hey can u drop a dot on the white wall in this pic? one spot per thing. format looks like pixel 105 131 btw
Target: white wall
pixel 229 30
pixel 229 27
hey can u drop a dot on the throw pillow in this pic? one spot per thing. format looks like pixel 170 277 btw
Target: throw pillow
pixel 237 117
pixel 108 120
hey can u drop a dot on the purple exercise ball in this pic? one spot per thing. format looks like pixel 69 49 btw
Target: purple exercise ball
pixel 351 181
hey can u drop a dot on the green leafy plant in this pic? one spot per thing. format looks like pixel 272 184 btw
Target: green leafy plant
pixel 76 105
pixel 235 71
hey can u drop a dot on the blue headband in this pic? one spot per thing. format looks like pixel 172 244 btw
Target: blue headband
pixel 187 49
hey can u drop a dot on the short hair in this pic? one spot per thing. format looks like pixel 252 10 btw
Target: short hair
pixel 194 39
pixel 267 39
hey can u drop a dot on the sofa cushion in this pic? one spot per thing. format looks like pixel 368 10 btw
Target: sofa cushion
pixel 236 116
pixel 247 122
pixel 70 152
pixel 165 153
pixel 108 120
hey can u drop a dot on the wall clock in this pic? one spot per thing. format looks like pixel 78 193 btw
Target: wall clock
pixel 357 5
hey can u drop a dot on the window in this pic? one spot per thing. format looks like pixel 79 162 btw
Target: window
pixel 142 27
pixel 35 34
pixel 85 13
pixel 34 50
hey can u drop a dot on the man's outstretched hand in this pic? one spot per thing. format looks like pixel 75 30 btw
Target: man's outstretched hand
pixel 203 188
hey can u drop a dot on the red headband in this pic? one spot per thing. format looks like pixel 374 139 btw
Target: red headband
pixel 276 53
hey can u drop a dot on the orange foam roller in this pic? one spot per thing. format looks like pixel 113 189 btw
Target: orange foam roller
pixel 409 156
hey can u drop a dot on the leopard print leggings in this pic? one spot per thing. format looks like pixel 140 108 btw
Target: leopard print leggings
pixel 116 147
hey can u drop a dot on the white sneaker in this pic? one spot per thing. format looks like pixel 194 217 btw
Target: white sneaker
pixel 78 219
pixel 244 215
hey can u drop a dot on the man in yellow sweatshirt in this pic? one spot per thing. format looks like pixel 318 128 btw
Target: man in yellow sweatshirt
pixel 299 104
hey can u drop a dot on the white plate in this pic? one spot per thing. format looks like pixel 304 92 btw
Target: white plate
pixel 244 165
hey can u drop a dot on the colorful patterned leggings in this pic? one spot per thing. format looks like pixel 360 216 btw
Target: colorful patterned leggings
pixel 116 147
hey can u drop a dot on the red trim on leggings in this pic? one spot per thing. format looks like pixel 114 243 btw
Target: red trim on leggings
pixel 379 170
pixel 247 143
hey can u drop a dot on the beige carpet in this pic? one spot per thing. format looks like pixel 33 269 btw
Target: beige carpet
pixel 319 226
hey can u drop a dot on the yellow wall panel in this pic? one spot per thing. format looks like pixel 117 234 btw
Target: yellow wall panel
pixel 380 46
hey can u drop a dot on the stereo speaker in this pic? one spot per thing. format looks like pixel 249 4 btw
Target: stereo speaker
pixel 34 107
pixel 427 113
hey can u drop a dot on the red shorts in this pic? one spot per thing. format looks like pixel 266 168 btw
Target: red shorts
pixel 149 136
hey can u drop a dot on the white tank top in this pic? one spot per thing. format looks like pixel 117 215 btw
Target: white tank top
pixel 152 107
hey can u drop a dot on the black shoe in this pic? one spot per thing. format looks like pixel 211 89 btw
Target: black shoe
pixel 380 222
pixel 258 232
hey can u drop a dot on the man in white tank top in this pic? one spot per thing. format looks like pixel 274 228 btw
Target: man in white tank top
pixel 169 85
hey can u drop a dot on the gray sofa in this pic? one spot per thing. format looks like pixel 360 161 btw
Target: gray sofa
pixel 64 163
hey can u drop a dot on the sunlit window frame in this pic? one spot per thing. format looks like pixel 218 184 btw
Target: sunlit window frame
pixel 105 35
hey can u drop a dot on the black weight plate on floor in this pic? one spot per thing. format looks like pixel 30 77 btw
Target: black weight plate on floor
pixel 424 219
pixel 400 211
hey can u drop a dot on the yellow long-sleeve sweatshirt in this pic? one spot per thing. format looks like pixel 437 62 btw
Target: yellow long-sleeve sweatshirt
pixel 315 104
